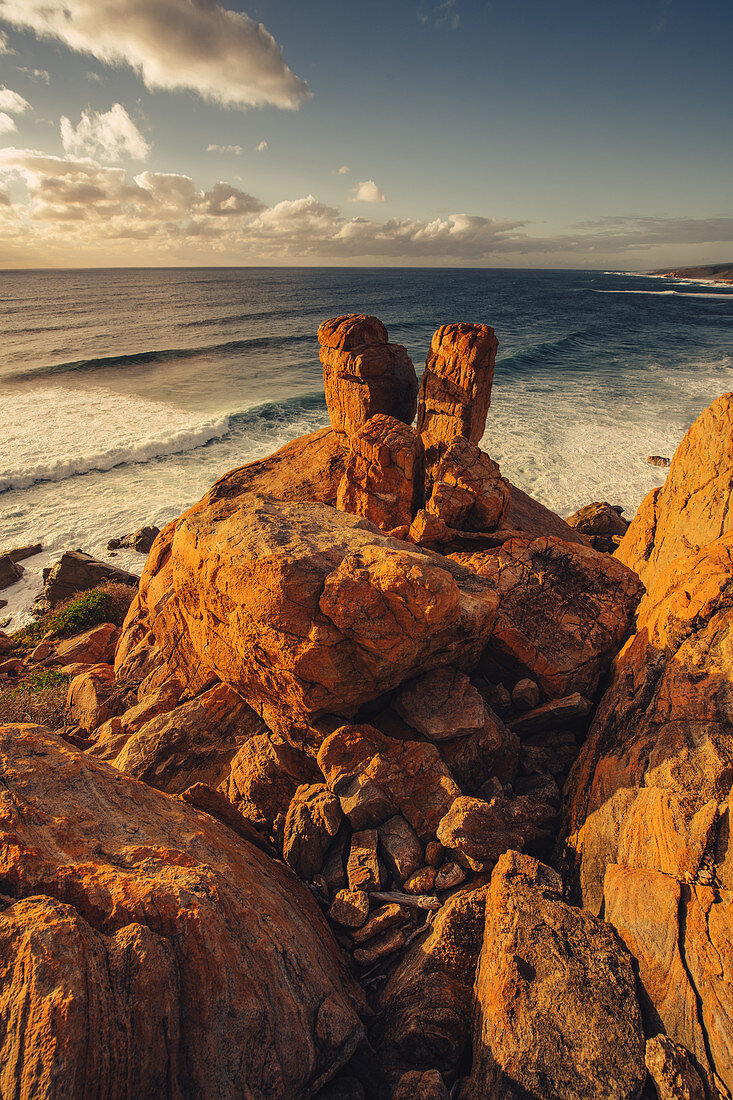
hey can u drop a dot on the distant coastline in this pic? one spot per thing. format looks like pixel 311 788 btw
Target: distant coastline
pixel 718 273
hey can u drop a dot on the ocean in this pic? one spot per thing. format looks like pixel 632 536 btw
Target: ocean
pixel 126 393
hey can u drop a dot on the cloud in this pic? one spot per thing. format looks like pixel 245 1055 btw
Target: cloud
pixel 342 171
pixel 35 74
pixel 108 136
pixel 234 150
pixel 223 56
pixel 367 191
pixel 261 147
pixel 4 44
pixel 443 14
pixel 12 102
pixel 76 210
pixel 7 124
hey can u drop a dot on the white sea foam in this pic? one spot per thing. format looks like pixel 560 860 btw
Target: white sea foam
pixel 667 293
pixel 53 433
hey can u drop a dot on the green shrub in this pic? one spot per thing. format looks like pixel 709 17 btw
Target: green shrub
pixel 106 604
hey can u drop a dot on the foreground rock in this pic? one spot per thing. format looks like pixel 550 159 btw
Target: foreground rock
pixel 305 611
pixel 78 572
pixel 383 479
pixel 468 490
pixel 564 610
pixel 691 509
pixel 155 952
pixel 556 1016
pixel 363 374
pixel 455 391
pixel 647 811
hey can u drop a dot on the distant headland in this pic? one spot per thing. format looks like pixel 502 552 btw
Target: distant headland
pixel 721 273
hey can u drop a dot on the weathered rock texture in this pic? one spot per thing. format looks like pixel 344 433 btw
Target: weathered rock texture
pixel 383 479
pixel 146 950
pixel 305 611
pixel 556 1015
pixel 647 816
pixel 455 391
pixel 564 610
pixel 601 523
pixel 468 490
pixel 692 508
pixel 78 572
pixel 363 374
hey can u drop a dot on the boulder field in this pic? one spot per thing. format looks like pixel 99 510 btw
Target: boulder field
pixel 393 784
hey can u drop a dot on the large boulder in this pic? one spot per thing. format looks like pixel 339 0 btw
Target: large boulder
pixel 556 1010
pixel 564 612
pixel 691 509
pixel 305 611
pixel 455 391
pixel 363 374
pixel 647 811
pixel 383 479
pixel 76 571
pixel 148 949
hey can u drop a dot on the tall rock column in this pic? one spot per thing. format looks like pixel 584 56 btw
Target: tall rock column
pixel 363 374
pixel 455 392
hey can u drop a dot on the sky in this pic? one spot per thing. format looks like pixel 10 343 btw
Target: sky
pixel 479 133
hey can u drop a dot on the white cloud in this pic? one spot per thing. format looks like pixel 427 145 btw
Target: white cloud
pixel 223 56
pixel 12 102
pixel 342 171
pixel 75 210
pixel 261 147
pixel 367 191
pixel 109 136
pixel 235 150
pixel 7 124
pixel 36 74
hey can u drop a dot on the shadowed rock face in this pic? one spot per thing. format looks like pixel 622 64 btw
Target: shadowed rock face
pixel 363 374
pixel 455 391
pixel 693 507
pixel 556 1012
pixel 140 938
pixel 647 813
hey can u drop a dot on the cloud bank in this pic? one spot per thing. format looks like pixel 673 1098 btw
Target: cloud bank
pixel 223 56
pixel 109 136
pixel 76 209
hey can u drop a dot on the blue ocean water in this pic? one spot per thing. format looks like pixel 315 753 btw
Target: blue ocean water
pixel 126 393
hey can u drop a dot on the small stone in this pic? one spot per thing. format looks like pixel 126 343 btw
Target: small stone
pixel 403 852
pixel 6 644
pixel 381 920
pixel 41 652
pixel 312 820
pixel 9 571
pixel 497 697
pixel 422 882
pixel 421 1085
pixel 429 531
pixel 449 875
pixel 658 460
pixel 350 907
pixel 526 695
pixel 441 704
pixel 670 1068
pixel 434 854
pixel 380 948
pixel 363 866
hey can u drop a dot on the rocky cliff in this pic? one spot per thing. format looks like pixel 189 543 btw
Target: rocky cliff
pixel 294 836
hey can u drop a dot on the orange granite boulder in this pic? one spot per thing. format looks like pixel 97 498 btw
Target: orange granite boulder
pixel 468 490
pixel 376 777
pixel 455 391
pixel 92 698
pixel 263 777
pixel 692 508
pixel 147 948
pixel 363 374
pixel 564 612
pixel 646 831
pixel 305 611
pixel 556 1010
pixel 383 479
